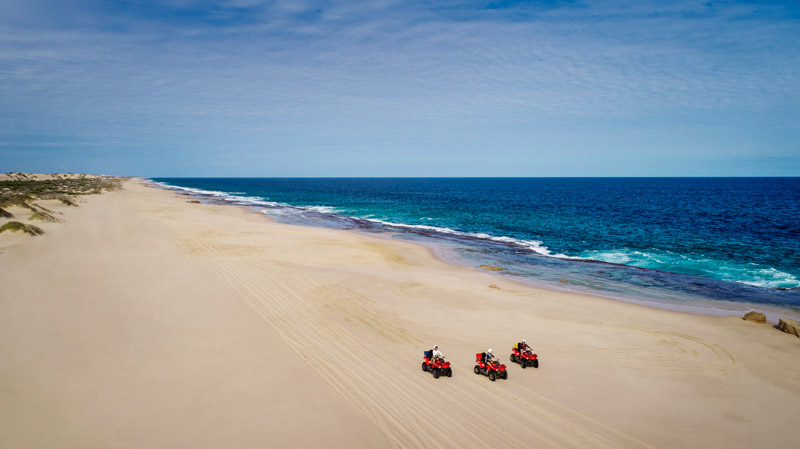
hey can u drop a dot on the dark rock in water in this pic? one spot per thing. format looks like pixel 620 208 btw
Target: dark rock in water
pixel 563 280
pixel 193 201
pixel 481 250
pixel 789 326
pixel 756 317
pixel 489 267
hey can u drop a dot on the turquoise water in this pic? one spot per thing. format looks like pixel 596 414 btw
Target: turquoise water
pixel 671 239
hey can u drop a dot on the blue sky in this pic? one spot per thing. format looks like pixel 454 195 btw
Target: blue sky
pixel 400 88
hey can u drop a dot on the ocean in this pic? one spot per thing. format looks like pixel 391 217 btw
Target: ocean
pixel 712 243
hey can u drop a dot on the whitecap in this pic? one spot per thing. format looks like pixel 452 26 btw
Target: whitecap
pixel 745 273
pixel 533 245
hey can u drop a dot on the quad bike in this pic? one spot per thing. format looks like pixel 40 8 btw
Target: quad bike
pixel 492 369
pixel 525 358
pixel 436 367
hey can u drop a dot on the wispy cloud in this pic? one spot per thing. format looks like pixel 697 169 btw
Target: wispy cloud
pixel 269 80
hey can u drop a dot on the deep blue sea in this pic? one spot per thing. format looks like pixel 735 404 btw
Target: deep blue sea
pixel 670 240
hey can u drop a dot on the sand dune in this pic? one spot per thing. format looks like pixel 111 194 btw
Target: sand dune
pixel 146 321
pixel 21 176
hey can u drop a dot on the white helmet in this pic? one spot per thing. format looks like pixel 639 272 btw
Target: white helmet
pixel 435 346
pixel 489 351
pixel 523 340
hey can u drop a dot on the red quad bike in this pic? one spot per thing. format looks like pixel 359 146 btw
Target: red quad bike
pixel 493 370
pixel 437 367
pixel 525 358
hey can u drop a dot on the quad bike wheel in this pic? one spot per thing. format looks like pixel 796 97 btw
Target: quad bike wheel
pixel 449 372
pixel 492 376
pixel 536 363
pixel 524 363
pixel 477 369
pixel 424 366
pixel 435 373
pixel 505 375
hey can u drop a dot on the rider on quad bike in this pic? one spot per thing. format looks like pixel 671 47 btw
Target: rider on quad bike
pixel 523 354
pixel 488 366
pixel 435 363
pixel 438 354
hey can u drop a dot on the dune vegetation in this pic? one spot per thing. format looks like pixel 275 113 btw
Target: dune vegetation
pixel 43 216
pixel 15 226
pixel 24 190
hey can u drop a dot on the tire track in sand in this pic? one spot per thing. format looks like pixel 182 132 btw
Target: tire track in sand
pixel 410 411
pixel 698 355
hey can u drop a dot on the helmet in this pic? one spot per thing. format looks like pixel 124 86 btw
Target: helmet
pixel 489 351
pixel 523 340
pixel 435 346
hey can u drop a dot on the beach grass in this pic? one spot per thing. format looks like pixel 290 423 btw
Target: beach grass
pixel 15 226
pixel 58 188
pixel 23 192
pixel 67 200
pixel 43 216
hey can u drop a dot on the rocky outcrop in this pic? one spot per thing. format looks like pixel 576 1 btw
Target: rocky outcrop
pixel 789 326
pixel 756 317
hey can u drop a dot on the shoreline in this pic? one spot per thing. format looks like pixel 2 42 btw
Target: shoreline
pixel 708 307
pixel 144 320
pixel 773 313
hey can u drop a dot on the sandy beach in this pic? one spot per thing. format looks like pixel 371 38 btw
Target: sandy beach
pixel 142 320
